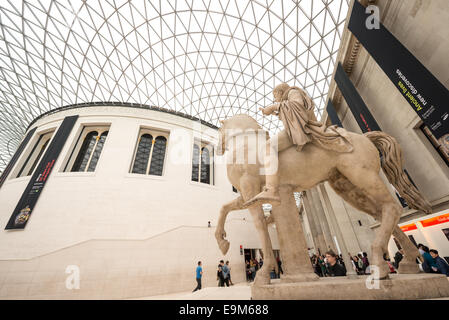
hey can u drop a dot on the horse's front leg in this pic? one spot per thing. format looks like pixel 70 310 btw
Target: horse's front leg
pixel 220 232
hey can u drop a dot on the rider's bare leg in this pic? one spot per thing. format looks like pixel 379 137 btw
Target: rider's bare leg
pixel 270 193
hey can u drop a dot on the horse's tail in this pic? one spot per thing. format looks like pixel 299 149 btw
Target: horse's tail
pixel 392 166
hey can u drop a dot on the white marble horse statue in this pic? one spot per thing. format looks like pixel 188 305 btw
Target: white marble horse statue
pixel 353 175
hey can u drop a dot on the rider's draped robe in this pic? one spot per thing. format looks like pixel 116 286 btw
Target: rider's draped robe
pixel 301 125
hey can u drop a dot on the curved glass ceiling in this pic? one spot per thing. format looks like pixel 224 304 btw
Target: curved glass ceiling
pixel 208 59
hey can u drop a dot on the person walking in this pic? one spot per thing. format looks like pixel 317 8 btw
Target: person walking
pixel 229 273
pixel 199 275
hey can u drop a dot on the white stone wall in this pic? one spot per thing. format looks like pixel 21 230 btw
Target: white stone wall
pixel 146 232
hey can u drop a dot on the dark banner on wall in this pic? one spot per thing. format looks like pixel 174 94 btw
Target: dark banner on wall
pixel 427 96
pixel 16 156
pixel 333 114
pixel 355 102
pixel 37 182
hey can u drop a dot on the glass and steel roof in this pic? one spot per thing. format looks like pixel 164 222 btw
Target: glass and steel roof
pixel 206 58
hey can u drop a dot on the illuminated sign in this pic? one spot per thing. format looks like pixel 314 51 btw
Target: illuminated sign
pixel 434 221
pixel 409 227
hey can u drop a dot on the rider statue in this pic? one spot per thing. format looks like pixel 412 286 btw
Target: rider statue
pixel 296 111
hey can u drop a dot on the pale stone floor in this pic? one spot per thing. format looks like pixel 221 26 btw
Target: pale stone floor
pixel 239 291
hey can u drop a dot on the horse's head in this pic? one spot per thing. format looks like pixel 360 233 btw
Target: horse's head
pixel 240 123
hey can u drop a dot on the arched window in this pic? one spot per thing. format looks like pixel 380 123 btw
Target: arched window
pixel 195 163
pixel 97 151
pixel 89 152
pixel 205 165
pixel 85 151
pixel 41 151
pixel 35 155
pixel 143 154
pixel 150 153
pixel 202 163
pixel 158 155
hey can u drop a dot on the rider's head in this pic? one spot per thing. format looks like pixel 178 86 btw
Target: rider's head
pixel 279 91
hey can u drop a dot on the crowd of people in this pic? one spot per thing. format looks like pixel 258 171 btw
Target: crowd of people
pixel 331 265
pixel 360 263
pixel 252 266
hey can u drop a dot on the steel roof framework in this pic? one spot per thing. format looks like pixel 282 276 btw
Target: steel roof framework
pixel 205 58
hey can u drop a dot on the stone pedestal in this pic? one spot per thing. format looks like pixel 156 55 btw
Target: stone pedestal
pixel 398 287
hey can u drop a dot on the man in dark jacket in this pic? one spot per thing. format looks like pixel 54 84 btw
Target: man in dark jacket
pixel 335 269
pixel 442 266
pixel 223 274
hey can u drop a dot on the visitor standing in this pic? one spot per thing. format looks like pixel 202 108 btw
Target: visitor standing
pixel 429 264
pixel 225 274
pixel 365 260
pixel 335 269
pixel 442 266
pixel 323 263
pixel 229 273
pixel 248 271
pixel 220 276
pixel 253 269
pixel 397 258
pixel 199 275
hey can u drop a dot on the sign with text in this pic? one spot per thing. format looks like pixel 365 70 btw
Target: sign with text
pixel 16 156
pixel 434 221
pixel 26 204
pixel 409 227
pixel 425 94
